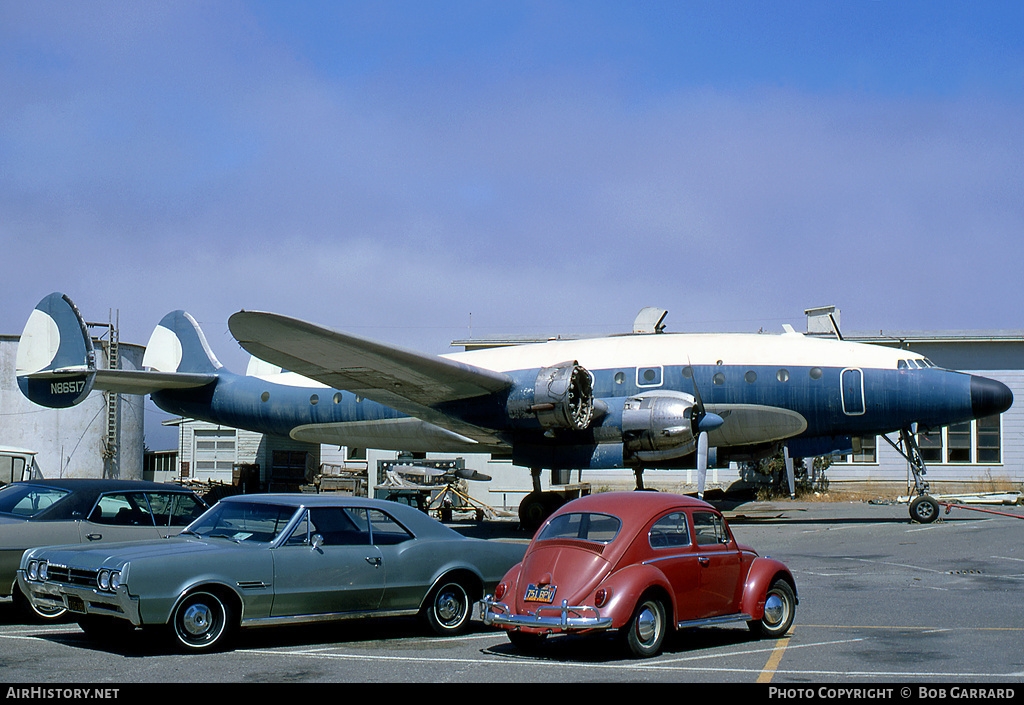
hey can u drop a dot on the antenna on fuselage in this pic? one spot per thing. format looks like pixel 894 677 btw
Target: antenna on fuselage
pixel 823 320
pixel 650 320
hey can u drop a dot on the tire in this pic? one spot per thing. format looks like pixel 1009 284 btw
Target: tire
pixel 536 507
pixel 203 621
pixel 34 613
pixel 924 509
pixel 450 607
pixel 779 610
pixel 646 629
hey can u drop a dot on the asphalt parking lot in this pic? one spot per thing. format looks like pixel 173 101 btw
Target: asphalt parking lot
pixel 882 600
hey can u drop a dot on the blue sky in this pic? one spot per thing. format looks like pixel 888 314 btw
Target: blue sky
pixel 419 172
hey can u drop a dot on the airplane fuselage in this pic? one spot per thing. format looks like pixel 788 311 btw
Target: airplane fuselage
pixel 767 388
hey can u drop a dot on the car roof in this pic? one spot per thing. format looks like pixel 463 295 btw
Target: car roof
pixel 414 519
pixel 102 484
pixel 629 504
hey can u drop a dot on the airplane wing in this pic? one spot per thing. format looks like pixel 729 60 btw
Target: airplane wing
pixel 407 381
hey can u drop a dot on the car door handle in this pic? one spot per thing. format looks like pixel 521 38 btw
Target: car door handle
pixel 374 561
pixel 703 561
pixel 94 537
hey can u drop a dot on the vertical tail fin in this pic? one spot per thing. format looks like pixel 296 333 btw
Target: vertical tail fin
pixel 178 345
pixel 56 362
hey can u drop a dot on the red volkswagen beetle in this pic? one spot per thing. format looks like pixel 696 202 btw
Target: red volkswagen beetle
pixel 638 563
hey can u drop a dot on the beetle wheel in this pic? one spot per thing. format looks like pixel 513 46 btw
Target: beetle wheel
pixel 779 610
pixel 450 608
pixel 202 622
pixel 645 631
pixel 924 509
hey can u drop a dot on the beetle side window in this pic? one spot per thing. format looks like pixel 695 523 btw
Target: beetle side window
pixel 709 529
pixel 670 531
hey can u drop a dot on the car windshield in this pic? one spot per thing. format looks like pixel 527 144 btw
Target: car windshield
pixel 583 526
pixel 29 500
pixel 243 521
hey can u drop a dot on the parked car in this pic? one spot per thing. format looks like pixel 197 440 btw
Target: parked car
pixel 257 560
pixel 638 564
pixel 44 512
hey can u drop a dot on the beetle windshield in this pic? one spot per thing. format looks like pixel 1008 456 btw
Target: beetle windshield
pixel 583 526
pixel 29 500
pixel 243 521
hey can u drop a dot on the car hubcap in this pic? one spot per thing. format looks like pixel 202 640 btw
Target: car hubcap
pixel 197 620
pixel 448 608
pixel 646 625
pixel 774 609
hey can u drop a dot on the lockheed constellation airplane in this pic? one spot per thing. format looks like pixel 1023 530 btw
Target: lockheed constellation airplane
pixel 649 400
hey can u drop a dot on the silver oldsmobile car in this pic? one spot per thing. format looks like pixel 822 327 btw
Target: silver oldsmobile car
pixel 254 560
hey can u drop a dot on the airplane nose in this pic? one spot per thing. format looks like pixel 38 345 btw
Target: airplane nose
pixel 989 397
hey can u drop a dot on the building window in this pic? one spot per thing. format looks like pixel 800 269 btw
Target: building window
pixel 958 443
pixel 988 437
pixel 978 442
pixel 867 453
pixel 864 450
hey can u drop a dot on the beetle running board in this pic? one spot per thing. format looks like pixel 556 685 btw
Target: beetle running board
pixel 725 619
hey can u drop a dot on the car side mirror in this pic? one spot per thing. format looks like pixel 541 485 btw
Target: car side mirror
pixel 316 541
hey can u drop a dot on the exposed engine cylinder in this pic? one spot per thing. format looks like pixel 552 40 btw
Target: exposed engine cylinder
pixel 562 398
pixel 658 425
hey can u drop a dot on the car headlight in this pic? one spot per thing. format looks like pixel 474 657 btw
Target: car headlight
pixel 108 580
pixel 36 570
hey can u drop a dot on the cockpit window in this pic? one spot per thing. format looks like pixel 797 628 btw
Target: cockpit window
pixel 915 363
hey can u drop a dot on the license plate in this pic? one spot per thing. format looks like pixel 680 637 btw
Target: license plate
pixel 75 603
pixel 540 593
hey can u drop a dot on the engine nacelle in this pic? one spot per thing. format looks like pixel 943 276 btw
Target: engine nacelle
pixel 658 426
pixel 562 398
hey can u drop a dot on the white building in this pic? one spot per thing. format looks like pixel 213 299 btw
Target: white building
pixel 101 437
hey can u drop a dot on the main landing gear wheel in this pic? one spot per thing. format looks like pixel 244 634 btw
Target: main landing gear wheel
pixel 538 506
pixel 924 509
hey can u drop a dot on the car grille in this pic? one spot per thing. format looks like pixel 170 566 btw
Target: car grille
pixel 70 576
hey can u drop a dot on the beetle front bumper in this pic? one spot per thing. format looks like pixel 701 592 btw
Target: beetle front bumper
pixel 563 618
pixel 80 599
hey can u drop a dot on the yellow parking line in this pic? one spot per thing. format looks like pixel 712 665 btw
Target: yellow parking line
pixel 773 661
